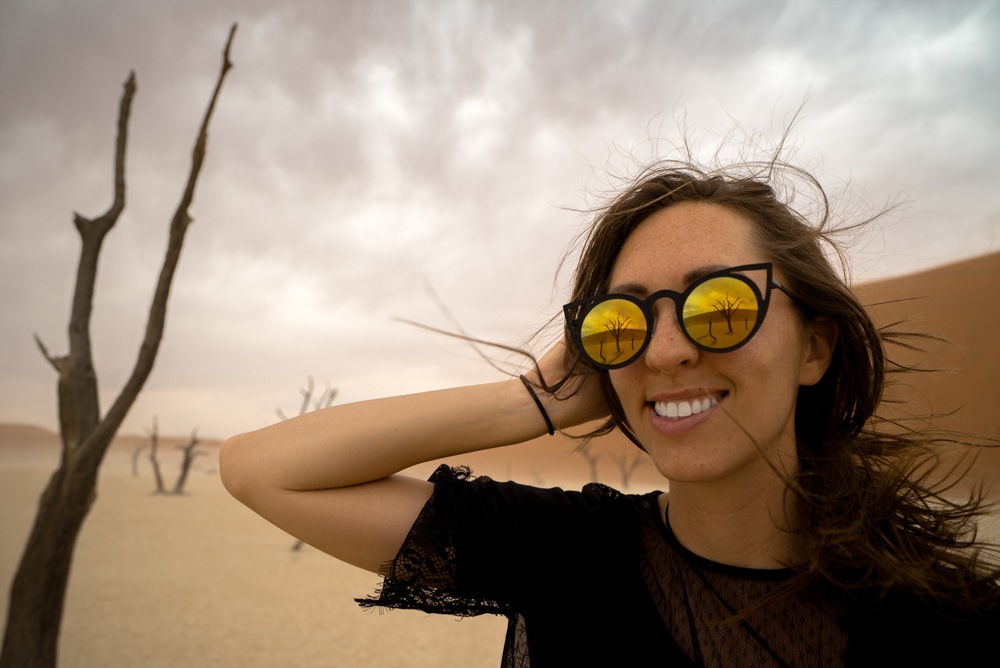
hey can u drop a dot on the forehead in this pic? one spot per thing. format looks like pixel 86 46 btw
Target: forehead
pixel 682 238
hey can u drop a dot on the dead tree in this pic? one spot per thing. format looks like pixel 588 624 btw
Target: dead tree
pixel 591 458
pixel 154 457
pixel 135 458
pixel 727 308
pixel 616 328
pixel 627 464
pixel 38 591
pixel 189 453
pixel 324 400
pixel 187 459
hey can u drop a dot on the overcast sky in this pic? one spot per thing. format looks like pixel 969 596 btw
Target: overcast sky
pixel 369 155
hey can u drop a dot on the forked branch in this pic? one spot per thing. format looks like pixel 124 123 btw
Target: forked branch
pixel 178 228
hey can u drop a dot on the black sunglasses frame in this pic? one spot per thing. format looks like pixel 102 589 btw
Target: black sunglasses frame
pixel 576 312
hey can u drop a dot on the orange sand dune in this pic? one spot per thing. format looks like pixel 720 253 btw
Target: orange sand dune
pixel 958 303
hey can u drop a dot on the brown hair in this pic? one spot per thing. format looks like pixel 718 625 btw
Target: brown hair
pixel 870 515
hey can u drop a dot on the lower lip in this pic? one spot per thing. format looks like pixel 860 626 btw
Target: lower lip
pixel 676 426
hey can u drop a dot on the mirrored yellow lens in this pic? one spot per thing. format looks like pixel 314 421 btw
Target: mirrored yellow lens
pixel 613 331
pixel 721 312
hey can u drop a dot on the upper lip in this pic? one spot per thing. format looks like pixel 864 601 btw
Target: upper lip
pixel 687 394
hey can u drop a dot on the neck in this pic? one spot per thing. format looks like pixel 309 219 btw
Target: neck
pixel 748 527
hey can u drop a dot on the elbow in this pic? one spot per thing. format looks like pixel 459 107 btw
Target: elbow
pixel 234 467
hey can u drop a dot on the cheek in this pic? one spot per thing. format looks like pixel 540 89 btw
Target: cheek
pixel 626 387
pixel 618 384
pixel 777 364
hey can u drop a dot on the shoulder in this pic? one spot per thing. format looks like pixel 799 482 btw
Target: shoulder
pixel 481 498
pixel 598 493
pixel 508 536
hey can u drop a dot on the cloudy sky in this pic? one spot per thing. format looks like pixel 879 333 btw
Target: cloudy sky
pixel 371 160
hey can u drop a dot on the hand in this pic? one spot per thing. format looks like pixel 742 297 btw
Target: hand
pixel 578 398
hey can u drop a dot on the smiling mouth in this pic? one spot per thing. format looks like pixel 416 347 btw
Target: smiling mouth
pixel 677 410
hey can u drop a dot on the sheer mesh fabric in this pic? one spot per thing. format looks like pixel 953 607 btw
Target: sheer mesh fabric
pixel 696 599
pixel 712 614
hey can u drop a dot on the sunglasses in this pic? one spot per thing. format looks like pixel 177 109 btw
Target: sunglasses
pixel 719 312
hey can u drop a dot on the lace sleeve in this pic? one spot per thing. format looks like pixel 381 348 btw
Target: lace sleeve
pixel 423 575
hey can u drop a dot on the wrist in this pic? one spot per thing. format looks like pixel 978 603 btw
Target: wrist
pixel 530 387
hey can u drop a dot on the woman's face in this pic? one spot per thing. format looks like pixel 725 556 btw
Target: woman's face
pixel 738 406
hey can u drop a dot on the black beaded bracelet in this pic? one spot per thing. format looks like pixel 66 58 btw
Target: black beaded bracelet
pixel 538 402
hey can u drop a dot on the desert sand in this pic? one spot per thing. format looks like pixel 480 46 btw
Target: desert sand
pixel 198 580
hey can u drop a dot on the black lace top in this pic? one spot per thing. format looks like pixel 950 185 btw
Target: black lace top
pixel 596 578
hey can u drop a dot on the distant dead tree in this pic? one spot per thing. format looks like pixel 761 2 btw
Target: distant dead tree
pixel 188 455
pixel 591 459
pixel 324 400
pixel 136 453
pixel 154 459
pixel 38 590
pixel 627 464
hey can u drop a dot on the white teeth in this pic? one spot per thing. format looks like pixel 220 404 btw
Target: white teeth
pixel 674 410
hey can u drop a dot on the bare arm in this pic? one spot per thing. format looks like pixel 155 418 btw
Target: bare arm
pixel 330 477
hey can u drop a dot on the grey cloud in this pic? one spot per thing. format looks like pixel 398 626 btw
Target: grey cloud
pixel 363 151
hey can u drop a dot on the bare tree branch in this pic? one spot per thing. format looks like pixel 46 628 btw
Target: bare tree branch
pixel 178 228
pixel 306 395
pixel 56 362
pixel 325 400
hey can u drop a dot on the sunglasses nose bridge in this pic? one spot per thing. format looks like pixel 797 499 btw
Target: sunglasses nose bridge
pixel 655 306
pixel 669 345
pixel 659 310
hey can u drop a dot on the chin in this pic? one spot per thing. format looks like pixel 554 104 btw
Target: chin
pixel 688 469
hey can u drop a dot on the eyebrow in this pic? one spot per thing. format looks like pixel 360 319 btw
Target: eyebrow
pixel 640 290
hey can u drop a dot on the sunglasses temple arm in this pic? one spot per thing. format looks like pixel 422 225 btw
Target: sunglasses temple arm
pixel 805 307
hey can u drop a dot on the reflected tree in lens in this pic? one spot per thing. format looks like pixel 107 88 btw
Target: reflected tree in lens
pixel 617 328
pixel 727 307
pixel 614 320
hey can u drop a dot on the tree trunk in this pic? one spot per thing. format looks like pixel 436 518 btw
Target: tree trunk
pixel 39 587
pixel 38 591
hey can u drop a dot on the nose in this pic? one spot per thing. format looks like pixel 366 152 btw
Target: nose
pixel 668 346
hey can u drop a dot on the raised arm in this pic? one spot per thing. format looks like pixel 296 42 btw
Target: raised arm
pixel 330 477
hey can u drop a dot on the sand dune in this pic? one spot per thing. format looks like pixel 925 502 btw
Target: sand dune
pixel 197 580
pixel 958 303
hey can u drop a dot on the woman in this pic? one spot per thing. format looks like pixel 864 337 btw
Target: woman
pixel 707 324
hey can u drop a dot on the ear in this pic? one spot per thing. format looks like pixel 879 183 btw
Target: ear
pixel 821 338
